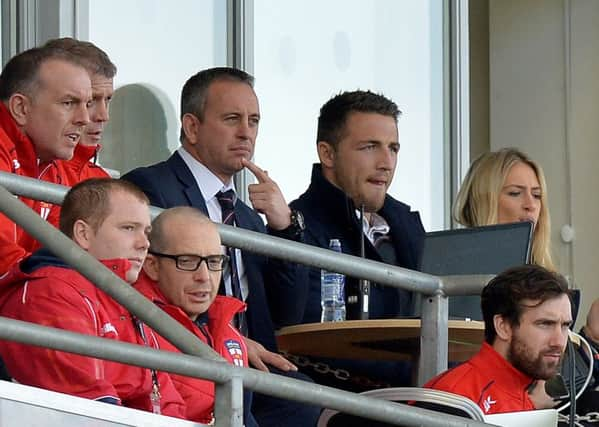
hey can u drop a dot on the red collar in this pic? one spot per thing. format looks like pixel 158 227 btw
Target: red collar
pixel 24 148
pixel 505 375
pixel 118 266
pixel 84 154
pixel 222 309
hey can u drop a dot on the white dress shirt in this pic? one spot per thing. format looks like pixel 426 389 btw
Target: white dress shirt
pixel 209 185
pixel 376 225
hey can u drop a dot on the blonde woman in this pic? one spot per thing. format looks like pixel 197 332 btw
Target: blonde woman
pixel 507 186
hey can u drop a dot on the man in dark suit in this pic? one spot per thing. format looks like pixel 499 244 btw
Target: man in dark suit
pixel 358 146
pixel 219 117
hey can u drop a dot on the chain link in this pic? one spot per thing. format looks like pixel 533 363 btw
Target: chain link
pixel 589 418
pixel 340 374
pixel 319 367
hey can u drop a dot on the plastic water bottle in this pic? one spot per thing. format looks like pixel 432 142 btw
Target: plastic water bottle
pixel 332 291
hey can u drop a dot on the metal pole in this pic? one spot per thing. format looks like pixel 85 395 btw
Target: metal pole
pixel 228 402
pixel 263 244
pixel 262 382
pixel 465 284
pixel 103 278
pixel 350 265
pixel 385 274
pixel 433 337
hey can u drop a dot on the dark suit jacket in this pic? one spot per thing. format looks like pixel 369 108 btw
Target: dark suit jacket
pixel 330 214
pixel 171 183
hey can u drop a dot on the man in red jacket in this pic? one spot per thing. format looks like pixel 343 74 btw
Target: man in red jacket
pixel 182 276
pixel 44 94
pixel 101 70
pixel 527 315
pixel 110 219
pixel 83 165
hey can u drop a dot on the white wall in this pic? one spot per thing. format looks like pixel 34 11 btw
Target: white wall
pixel 544 99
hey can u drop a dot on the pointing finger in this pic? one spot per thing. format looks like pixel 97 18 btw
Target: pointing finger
pixel 261 175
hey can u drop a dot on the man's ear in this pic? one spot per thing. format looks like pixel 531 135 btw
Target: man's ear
pixel 503 328
pixel 190 123
pixel 151 267
pixel 326 154
pixel 18 107
pixel 82 233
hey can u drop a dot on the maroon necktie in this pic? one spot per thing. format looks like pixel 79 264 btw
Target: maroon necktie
pixel 227 206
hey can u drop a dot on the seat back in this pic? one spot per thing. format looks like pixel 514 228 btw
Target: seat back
pixel 435 400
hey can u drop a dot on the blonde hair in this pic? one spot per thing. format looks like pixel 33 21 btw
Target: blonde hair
pixel 478 199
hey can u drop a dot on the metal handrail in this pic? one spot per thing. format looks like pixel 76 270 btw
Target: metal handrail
pixel 103 278
pixel 434 310
pixel 262 382
pixel 260 243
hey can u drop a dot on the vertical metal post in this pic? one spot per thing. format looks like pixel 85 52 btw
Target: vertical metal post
pixel 228 403
pixel 459 93
pixel 433 337
pixel 240 54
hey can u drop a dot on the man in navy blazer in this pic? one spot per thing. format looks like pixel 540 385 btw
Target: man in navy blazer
pixel 358 146
pixel 219 118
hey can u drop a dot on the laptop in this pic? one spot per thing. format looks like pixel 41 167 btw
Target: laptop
pixel 479 250
pixel 538 418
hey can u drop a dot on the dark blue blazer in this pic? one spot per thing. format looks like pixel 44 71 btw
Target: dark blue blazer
pixel 330 214
pixel 171 183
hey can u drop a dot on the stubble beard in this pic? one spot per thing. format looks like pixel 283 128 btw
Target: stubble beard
pixel 521 357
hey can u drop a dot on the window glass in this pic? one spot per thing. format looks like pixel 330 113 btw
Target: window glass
pixel 156 46
pixel 306 52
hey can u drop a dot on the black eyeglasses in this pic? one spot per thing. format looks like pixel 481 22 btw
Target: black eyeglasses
pixel 192 262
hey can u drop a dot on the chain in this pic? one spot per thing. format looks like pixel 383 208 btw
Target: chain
pixel 340 374
pixel 319 367
pixel 590 417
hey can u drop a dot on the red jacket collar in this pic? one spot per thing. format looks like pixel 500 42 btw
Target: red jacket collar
pixel 118 266
pixel 222 309
pixel 508 377
pixel 84 154
pixel 25 150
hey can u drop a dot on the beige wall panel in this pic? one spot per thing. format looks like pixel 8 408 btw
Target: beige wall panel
pixel 544 99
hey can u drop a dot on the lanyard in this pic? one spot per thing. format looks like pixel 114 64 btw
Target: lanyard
pixel 155 393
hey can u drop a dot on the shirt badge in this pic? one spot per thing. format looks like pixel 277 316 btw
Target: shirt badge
pixel 234 349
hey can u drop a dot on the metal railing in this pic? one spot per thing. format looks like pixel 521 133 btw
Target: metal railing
pixel 434 310
pixel 262 382
pixel 436 289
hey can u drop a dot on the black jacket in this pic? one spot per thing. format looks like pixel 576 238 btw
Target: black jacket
pixel 330 214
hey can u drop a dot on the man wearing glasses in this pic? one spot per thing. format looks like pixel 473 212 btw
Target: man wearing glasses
pixel 182 275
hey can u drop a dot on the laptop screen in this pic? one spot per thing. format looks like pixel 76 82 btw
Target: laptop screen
pixel 478 250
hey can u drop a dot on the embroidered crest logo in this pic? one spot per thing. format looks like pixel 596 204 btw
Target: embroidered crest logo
pixel 107 328
pixel 45 210
pixel 234 349
pixel 487 403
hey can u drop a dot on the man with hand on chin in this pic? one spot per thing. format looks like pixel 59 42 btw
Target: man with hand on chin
pixel 219 118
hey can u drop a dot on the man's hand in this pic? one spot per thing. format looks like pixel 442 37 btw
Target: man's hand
pixel 540 398
pixel 266 198
pixel 259 357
